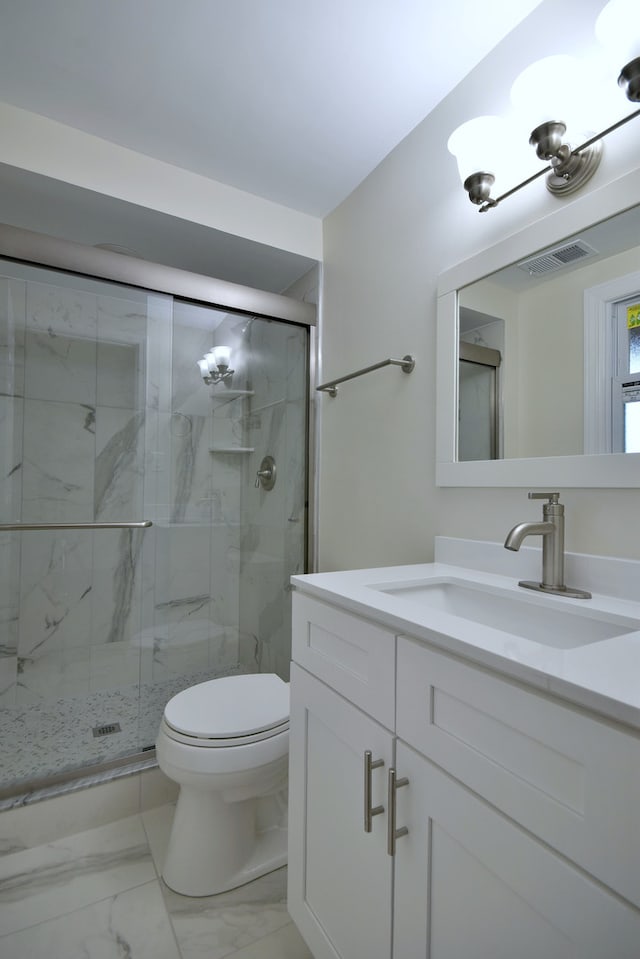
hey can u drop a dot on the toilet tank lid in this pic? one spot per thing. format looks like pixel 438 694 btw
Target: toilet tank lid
pixel 230 706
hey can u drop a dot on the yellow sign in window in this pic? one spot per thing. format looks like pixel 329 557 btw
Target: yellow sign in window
pixel 633 316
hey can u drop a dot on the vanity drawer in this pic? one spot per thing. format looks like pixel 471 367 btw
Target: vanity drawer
pixel 352 655
pixel 567 777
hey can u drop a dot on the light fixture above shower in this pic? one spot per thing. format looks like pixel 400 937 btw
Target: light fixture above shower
pixel 214 365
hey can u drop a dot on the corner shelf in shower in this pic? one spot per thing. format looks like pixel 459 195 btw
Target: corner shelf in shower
pixel 231 395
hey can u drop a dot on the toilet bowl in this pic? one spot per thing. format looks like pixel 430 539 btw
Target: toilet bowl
pixel 226 743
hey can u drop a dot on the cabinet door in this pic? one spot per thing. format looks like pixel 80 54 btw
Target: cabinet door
pixel 339 875
pixel 564 776
pixel 471 883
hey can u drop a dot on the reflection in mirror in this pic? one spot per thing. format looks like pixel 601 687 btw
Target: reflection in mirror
pixel 566 326
pixel 479 434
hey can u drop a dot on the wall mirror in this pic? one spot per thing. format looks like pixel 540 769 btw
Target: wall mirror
pixel 539 353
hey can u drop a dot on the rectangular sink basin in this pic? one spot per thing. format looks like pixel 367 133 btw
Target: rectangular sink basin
pixel 499 609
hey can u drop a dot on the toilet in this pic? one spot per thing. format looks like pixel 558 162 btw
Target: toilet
pixel 226 743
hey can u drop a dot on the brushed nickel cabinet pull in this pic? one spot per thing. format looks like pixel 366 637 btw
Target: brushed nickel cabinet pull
pixel 369 812
pixel 392 832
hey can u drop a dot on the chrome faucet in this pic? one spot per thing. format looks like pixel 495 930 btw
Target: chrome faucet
pixel 552 531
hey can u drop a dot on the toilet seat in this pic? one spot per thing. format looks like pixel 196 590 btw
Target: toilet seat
pixel 229 711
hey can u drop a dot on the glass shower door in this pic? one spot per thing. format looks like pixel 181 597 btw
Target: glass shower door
pixel 478 402
pixel 73 425
pixel 105 418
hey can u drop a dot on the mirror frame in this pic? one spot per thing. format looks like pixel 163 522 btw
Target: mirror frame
pixel 607 470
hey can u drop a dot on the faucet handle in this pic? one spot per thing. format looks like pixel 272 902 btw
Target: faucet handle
pixel 554 498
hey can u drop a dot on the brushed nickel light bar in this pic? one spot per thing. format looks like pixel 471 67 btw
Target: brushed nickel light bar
pixel 487 148
pixel 564 177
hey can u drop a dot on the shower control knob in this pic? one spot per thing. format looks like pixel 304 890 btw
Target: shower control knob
pixel 266 475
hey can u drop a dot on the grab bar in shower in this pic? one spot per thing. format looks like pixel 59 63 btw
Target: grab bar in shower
pixel 21 527
pixel 407 363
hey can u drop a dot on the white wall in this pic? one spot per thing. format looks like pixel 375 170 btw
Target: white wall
pixel 383 250
pixel 52 149
pixel 551 419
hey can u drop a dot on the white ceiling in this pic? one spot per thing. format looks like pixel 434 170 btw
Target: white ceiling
pixel 295 101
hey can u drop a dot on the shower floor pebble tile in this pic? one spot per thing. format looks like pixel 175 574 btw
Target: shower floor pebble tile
pixel 49 737
pixel 98 895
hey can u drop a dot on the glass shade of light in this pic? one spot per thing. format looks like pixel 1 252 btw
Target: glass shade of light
pixel 618 30
pixel 478 145
pixel 221 355
pixel 203 366
pixel 553 88
pixel 491 144
pixel 211 361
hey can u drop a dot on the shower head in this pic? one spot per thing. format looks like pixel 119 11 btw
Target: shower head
pixel 245 329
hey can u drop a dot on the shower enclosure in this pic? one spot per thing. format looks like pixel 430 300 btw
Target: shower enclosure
pixel 105 419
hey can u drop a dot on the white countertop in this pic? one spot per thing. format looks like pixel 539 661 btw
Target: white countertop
pixel 603 676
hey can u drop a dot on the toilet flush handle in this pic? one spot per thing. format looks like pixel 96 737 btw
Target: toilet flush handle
pixel 266 475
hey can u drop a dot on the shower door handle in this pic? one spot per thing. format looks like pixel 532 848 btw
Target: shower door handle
pixel 22 527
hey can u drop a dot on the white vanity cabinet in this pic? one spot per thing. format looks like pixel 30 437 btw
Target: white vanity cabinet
pixel 340 876
pixel 522 838
pixel 508 791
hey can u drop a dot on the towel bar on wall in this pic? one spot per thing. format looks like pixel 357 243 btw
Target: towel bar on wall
pixel 407 364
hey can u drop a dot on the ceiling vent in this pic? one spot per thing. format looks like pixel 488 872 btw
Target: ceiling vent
pixel 556 259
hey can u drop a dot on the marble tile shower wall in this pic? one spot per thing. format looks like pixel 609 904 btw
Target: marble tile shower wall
pixel 104 418
pixel 258 536
pixel 273 522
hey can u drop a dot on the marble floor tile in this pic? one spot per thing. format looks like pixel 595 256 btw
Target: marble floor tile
pixel 286 943
pixel 48 881
pixel 131 924
pixel 218 926
pixel 157 826
pixel 96 895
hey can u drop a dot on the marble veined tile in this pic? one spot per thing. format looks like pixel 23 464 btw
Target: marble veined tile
pixel 54 593
pixel 158 349
pixel 129 925
pixel 119 467
pixel 12 323
pixel 61 366
pixel 49 881
pixel 122 331
pixel 285 943
pixel 58 468
pixel 217 926
pixel 11 457
pixel 60 310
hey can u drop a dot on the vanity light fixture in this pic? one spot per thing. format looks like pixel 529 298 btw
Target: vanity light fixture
pixel 214 365
pixel 542 92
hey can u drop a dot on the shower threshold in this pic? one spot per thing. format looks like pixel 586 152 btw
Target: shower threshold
pixel 25 793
